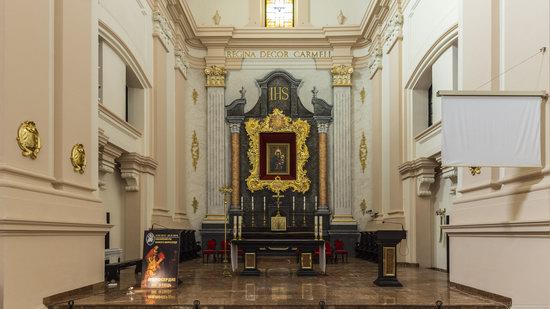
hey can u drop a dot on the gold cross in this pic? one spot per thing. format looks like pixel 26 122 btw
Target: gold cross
pixel 225 190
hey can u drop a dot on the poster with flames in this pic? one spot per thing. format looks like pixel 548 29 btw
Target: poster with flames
pixel 160 259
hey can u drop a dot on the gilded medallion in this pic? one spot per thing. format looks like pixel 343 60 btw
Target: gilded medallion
pixel 28 139
pixel 78 158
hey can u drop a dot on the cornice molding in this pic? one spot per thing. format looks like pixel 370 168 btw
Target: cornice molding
pixel 423 169
pixel 132 165
pixel 161 29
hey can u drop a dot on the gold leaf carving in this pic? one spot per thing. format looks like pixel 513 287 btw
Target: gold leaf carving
pixel 195 96
pixel 195 150
pixel 195 205
pixel 363 95
pixel 475 170
pixel 278 122
pixel 363 206
pixel 215 76
pixel 78 158
pixel 28 139
pixel 363 152
pixel 341 75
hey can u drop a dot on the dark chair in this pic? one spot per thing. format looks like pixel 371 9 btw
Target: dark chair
pixel 328 251
pixel 339 250
pixel 210 250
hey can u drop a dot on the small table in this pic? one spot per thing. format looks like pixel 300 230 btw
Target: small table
pixel 251 247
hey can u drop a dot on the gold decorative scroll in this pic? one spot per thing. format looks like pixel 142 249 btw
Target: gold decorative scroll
pixel 195 96
pixel 215 76
pixel 363 152
pixel 274 123
pixel 78 158
pixel 475 170
pixel 341 75
pixel 195 205
pixel 195 150
pixel 28 139
pixel 363 95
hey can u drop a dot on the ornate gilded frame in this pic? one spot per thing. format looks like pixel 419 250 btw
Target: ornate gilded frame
pixel 274 123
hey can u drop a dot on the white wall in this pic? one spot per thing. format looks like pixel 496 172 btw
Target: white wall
pixel 113 200
pixel 325 12
pixel 444 77
pixel 114 81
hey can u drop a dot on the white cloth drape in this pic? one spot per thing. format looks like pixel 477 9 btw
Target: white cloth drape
pixel 491 131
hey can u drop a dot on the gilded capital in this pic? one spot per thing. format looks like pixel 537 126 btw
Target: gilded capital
pixel 341 75
pixel 215 76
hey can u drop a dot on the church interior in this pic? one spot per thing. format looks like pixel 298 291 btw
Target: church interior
pixel 274 154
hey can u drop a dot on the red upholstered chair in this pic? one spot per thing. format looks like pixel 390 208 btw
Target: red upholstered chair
pixel 328 251
pixel 224 246
pixel 339 250
pixel 210 250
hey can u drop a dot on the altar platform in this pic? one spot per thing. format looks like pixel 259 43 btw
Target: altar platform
pixel 346 286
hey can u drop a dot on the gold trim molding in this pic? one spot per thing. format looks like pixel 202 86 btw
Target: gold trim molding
pixel 195 154
pixel 475 170
pixel 363 152
pixel 28 139
pixel 278 122
pixel 78 158
pixel 215 76
pixel 341 75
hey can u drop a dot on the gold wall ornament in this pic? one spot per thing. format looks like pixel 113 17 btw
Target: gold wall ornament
pixel 475 170
pixel 363 152
pixel 195 205
pixel 195 96
pixel 195 150
pixel 78 158
pixel 363 206
pixel 341 75
pixel 363 95
pixel 215 76
pixel 28 139
pixel 274 123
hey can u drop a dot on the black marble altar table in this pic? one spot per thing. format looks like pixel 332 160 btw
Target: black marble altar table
pixel 251 247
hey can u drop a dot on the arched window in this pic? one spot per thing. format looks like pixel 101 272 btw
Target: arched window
pixel 279 13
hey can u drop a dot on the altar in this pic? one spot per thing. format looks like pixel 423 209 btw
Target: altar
pixel 305 247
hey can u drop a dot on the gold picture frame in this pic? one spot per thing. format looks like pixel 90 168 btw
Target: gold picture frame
pixel 277 122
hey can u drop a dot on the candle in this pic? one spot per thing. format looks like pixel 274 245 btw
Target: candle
pixel 316 227
pixel 316 203
pixel 235 226
pixel 242 202
pixel 264 203
pixel 253 203
pixel 293 203
pixel 304 204
pixel 320 227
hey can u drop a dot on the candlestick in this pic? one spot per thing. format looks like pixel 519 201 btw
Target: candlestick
pixel 316 227
pixel 264 204
pixel 235 227
pixel 242 202
pixel 320 227
pixel 293 203
pixel 240 225
pixel 253 203
pixel 304 204
pixel 316 203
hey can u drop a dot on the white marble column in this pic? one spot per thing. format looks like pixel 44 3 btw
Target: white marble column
pixel 216 152
pixel 341 196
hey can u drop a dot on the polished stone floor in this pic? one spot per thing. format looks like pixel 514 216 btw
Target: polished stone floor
pixel 345 286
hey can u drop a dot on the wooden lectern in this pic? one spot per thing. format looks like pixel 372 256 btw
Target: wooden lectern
pixel 387 256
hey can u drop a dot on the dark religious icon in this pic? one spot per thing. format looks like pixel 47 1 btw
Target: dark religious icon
pixel 278 155
pixel 153 259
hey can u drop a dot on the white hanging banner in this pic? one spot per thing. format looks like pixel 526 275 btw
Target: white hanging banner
pixel 491 131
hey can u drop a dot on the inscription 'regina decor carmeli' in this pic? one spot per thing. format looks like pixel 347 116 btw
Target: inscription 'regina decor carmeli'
pixel 28 139
pixel 278 122
pixel 78 158
pixel 215 76
pixel 341 75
